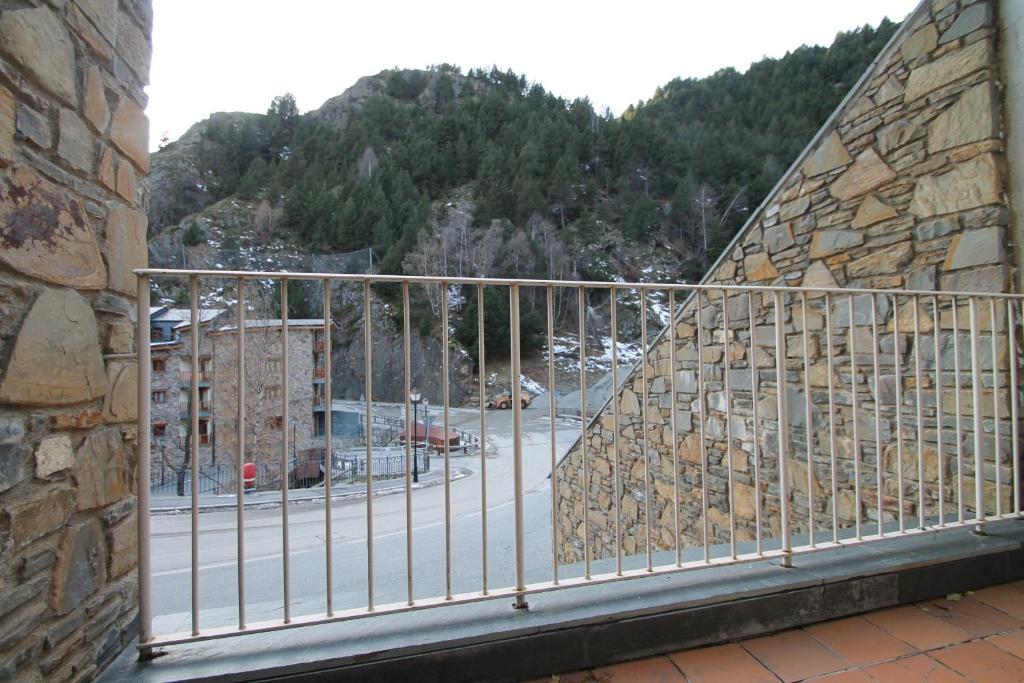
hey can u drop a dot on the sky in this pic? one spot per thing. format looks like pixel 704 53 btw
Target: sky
pixel 236 55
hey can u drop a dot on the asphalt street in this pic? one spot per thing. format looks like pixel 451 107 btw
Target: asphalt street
pixel 218 592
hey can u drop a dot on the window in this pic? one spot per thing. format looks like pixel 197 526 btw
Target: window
pixel 159 365
pixel 156 334
pixel 159 429
pixel 272 392
pixel 319 424
pixel 275 422
pixel 160 396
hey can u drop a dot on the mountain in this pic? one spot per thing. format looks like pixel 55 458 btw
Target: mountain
pixel 484 173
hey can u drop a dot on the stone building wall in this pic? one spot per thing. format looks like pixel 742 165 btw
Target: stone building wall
pixel 903 188
pixel 263 391
pixel 73 191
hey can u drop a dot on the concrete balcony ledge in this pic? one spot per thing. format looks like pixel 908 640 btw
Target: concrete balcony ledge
pixel 601 624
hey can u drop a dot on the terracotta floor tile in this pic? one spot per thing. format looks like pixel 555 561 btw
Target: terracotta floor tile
pixel 1011 642
pixel 650 670
pixel 859 641
pixel 1004 598
pixel 795 655
pixel 913 669
pixel 722 663
pixel 982 661
pixel 920 629
pixel 855 676
pixel 972 615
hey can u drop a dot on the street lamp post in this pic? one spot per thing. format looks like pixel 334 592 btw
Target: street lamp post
pixel 414 397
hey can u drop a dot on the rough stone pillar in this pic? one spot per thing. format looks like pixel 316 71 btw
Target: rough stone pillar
pixel 1011 41
pixel 73 163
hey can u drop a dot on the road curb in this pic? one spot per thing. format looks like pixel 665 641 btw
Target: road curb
pixel 457 473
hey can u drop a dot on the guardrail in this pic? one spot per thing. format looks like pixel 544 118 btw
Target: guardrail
pixel 743 375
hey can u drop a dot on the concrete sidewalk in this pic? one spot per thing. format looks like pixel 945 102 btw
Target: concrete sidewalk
pixel 209 502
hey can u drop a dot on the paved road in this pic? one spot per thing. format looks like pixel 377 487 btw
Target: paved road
pixel 263 564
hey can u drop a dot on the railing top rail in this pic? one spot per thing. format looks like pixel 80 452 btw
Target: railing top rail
pixel 590 284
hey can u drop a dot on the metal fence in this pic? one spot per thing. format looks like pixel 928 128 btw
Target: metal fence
pixel 213 479
pixel 778 428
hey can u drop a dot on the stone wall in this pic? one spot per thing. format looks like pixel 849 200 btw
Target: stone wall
pixel 903 188
pixel 73 192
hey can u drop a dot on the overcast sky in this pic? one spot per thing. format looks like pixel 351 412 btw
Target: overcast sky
pixel 236 55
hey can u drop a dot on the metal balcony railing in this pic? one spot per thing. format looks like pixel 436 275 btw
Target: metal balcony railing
pixel 203 375
pixel 692 443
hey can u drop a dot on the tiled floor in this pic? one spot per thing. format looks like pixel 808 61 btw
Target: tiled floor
pixel 978 636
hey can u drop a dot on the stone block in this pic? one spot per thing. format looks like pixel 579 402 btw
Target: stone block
pixel 133 47
pixel 922 41
pixel 54 455
pixel 45 233
pixel 949 68
pixel 36 517
pixel 759 267
pixel 881 262
pixel 971 119
pixel 126 246
pixel 123 541
pixel 872 210
pixel 89 35
pixel 829 155
pixel 81 566
pixel 84 419
pixel 94 104
pixel 76 144
pixel 120 337
pixel 827 242
pixel 975 248
pixel 103 14
pixel 129 131
pixel 868 172
pixel 861 310
pixel 56 359
pixel 106 169
pixel 889 90
pixel 778 237
pixel 967 185
pixel 12 451
pixel 8 124
pixel 121 401
pixel 797 207
pixel 895 135
pixel 818 276
pixel 985 279
pixel 37 40
pixel 33 126
pixel 103 473
pixel 971 19
pixel 126 181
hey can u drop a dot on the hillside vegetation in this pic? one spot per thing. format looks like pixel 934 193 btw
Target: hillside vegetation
pixel 487 174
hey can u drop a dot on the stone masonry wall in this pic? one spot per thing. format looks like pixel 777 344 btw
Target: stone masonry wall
pixel 73 164
pixel 901 189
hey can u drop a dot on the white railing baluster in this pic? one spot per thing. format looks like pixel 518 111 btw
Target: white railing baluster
pixel 879 483
pixel 368 394
pixel 616 470
pixel 445 378
pixel 783 422
pixel 702 407
pixel 807 420
pixel 919 407
pixel 193 297
pixel 517 449
pixel 1011 334
pixel 754 391
pixel 852 348
pixel 481 352
pixel 581 302
pixel 240 454
pixel 726 345
pixel 937 337
pixel 899 409
pixel 959 413
pixel 142 456
pixel 411 432
pixel 831 418
pixel 976 412
pixel 328 452
pixel 285 547
pixel 674 416
pixel 644 408
pixel 552 413
pixel 996 459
